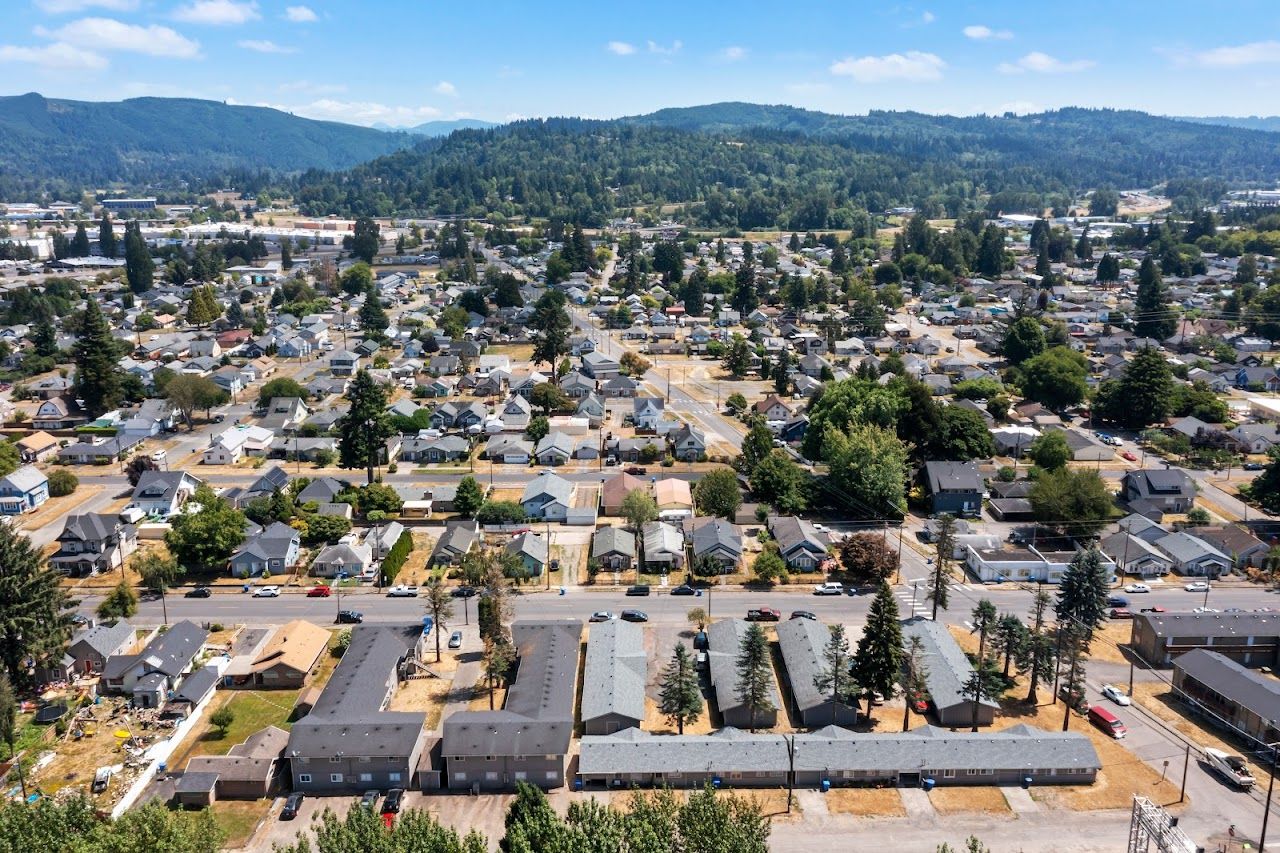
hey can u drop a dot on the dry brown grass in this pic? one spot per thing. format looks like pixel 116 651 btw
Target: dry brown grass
pixel 415 571
pixel 77 760
pixel 865 802
pixel 655 722
pixel 480 697
pixel 957 799
pixel 1123 774
pixel 238 819
pixel 772 802
pixel 513 495
pixel 55 508
pixel 423 694
pixel 1159 700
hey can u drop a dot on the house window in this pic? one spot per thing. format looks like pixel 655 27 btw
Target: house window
pixel 335 777
pixel 553 758
pixel 366 777
pixel 393 777
pixel 334 759
pixel 551 775
pixel 459 777
pixel 490 758
pixel 948 774
pixel 517 758
pixel 970 772
pixel 986 771
pixel 304 778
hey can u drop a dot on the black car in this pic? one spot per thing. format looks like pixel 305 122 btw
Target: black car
pixel 291 806
pixel 464 592
pixel 369 800
pixel 684 589
pixel 1253 466
pixel 803 614
pixel 850 590
pixel 638 589
pixel 391 805
pixel 199 592
pixel 763 614
pixel 634 616
pixel 349 617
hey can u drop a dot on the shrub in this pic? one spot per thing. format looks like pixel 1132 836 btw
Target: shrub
pixel 394 561
pixel 501 512
pixel 62 483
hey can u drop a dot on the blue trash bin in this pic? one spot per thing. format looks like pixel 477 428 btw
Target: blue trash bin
pixel 1026 781
pixel 927 783
pixel 577 784
pixel 562 590
pixel 826 785
pixel 715 782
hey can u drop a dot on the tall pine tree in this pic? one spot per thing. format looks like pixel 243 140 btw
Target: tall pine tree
pixel 366 426
pixel 877 663
pixel 680 698
pixel 755 673
pixel 139 268
pixel 1153 318
pixel 98 375
pixel 80 242
pixel 107 237
pixel 1082 594
pixel 35 618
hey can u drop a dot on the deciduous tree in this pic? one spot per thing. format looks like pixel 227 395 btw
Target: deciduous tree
pixel 207 537
pixel 717 493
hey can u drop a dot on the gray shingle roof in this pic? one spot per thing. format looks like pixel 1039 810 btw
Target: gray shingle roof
pixel 538 716
pixel 953 476
pixel 1237 625
pixel 548 484
pixel 1224 676
pixel 105 639
pixel 724 639
pixel 934 749
pixel 615 671
pixel 802 642
pixel 949 669
pixel 610 540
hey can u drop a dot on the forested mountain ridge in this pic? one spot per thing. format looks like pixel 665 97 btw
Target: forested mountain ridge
pixel 750 166
pixel 49 143
pixel 1267 123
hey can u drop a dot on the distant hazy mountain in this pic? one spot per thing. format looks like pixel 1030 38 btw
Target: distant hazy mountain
pixel 1268 123
pixel 85 143
pixel 444 128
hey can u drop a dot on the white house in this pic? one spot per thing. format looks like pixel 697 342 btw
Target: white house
pixel 231 446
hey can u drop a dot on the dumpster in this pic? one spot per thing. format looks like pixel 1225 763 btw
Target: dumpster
pixel 927 783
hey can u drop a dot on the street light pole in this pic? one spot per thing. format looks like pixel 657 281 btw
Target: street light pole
pixel 1266 811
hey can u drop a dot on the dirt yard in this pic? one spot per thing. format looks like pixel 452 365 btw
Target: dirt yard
pixel 865 802
pixel 1159 700
pixel 655 722
pixel 959 799
pixel 423 694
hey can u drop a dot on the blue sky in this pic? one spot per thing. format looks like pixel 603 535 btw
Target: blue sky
pixel 402 62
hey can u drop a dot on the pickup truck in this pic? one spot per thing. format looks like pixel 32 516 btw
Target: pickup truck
pixel 1232 767
pixel 402 591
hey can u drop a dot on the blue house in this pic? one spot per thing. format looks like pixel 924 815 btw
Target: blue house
pixel 272 550
pixel 954 487
pixel 23 491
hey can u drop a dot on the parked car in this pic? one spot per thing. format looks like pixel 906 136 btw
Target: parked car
pixel 829 588
pixel 1253 466
pixel 391 805
pixel 1116 694
pixel 634 616
pixel 1107 721
pixel 101 779
pixel 1121 613
pixel 920 703
pixel 638 589
pixel 763 614
pixel 635 470
pixel 369 800
pixel 402 591
pixel 291 806
pixel 1197 586
pixel 267 592
pixel 1137 587
pixel 803 614
pixel 1129 456
pixel 464 592
pixel 601 616
pixel 684 589
pixel 455 640
pixel 319 592
pixel 1156 609
pixel 198 592
pixel 1075 699
pixel 349 617
pixel 1231 767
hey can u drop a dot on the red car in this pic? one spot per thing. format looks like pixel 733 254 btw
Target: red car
pixel 1129 456
pixel 1121 613
pixel 919 703
pixel 318 592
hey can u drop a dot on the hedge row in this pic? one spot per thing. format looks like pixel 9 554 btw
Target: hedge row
pixel 392 563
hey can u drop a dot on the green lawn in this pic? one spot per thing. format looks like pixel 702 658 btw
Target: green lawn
pixel 28 737
pixel 238 818
pixel 254 710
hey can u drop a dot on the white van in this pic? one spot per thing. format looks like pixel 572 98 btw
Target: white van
pixel 132 514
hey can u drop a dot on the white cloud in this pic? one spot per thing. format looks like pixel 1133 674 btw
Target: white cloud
pixel 362 112
pixel 733 53
pixel 110 34
pixel 300 14
pixel 981 32
pixel 1234 56
pixel 621 48
pixel 928 17
pixel 654 47
pixel 58 56
pixel 1043 63
pixel 218 12
pixel 265 46
pixel 913 66
pixel 515 117
pixel 62 7
pixel 444 87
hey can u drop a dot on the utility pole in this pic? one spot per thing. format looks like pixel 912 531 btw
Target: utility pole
pixel 1266 812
